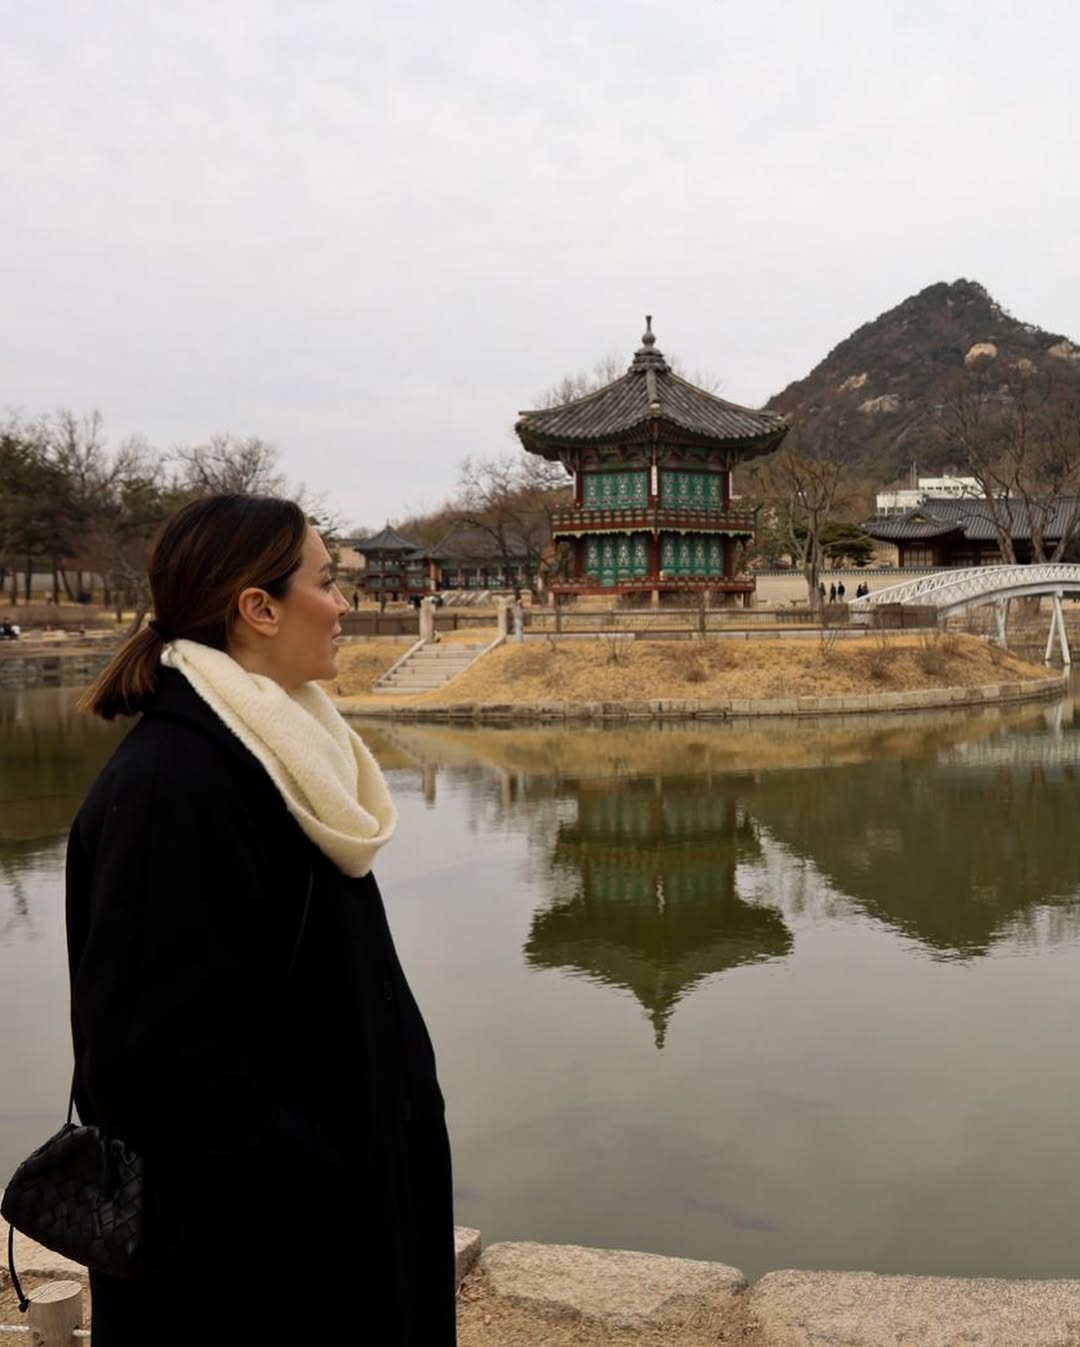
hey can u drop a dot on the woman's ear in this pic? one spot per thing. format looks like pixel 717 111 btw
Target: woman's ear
pixel 258 611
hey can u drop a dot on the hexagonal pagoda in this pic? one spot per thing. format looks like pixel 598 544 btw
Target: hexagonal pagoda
pixel 652 457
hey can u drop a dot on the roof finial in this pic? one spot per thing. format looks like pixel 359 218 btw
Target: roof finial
pixel 647 356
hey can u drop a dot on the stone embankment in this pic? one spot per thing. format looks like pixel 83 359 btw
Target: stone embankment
pixel 620 1295
pixel 731 708
pixel 659 1298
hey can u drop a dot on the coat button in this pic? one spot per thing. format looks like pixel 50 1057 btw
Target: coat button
pixel 387 989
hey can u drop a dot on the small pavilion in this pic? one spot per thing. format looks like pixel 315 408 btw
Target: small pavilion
pixel 652 457
pixel 394 567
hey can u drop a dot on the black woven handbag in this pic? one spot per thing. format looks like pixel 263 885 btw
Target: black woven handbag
pixel 85 1196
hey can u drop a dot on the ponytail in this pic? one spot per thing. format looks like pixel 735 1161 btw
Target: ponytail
pixel 129 680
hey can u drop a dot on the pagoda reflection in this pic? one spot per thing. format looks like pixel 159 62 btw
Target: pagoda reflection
pixel 643 894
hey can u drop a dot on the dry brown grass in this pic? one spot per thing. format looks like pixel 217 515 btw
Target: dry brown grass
pixel 361 662
pixel 618 670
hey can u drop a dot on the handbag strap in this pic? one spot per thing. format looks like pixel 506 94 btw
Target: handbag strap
pixel 16 1285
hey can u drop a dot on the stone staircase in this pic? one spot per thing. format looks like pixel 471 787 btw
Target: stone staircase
pixel 427 667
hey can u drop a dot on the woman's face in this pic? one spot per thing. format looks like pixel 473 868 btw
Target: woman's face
pixel 305 646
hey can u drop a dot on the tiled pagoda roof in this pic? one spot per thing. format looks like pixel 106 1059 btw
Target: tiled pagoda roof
pixel 648 392
pixel 387 540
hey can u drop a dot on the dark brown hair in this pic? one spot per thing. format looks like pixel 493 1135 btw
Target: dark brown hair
pixel 204 557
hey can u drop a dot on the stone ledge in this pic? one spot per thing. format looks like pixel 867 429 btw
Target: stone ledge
pixel 866 1309
pixel 466 1250
pixel 616 1287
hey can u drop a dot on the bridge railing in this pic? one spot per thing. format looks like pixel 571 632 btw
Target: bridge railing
pixel 957 588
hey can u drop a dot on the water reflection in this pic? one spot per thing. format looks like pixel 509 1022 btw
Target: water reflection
pixel 950 855
pixel 954 831
pixel 642 891
pixel 858 943
pixel 50 753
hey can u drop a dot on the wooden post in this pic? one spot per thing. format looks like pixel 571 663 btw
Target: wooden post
pixel 55 1313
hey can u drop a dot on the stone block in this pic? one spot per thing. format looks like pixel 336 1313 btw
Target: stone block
pixel 466 1250
pixel 615 1287
pixel 865 1309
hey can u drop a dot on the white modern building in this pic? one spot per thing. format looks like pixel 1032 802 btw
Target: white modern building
pixel 898 500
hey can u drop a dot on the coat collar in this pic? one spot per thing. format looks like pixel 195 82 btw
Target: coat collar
pixel 175 699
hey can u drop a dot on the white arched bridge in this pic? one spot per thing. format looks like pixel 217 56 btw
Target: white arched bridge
pixel 957 591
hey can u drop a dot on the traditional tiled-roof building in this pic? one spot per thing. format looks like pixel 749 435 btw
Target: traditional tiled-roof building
pixel 942 533
pixel 652 457
pixel 394 568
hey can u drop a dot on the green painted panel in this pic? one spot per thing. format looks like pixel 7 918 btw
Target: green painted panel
pixel 614 557
pixel 691 554
pixel 614 490
pixel 691 490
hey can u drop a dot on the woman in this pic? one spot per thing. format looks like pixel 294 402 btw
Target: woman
pixel 239 1014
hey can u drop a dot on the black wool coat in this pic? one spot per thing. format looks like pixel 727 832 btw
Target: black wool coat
pixel 292 1122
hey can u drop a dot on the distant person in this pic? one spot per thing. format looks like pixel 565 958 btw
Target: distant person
pixel 832 593
pixel 355 600
pixel 840 591
pixel 821 590
pixel 239 1014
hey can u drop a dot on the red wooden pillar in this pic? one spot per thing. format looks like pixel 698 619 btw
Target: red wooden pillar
pixel 579 558
pixel 727 488
pixel 654 555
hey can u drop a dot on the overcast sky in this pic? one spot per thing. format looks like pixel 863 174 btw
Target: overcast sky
pixel 370 231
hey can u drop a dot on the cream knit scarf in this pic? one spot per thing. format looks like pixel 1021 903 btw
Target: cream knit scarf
pixel 327 777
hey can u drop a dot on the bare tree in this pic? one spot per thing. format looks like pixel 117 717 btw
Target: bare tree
pixel 571 387
pixel 1021 442
pixel 241 463
pixel 509 501
pixel 800 485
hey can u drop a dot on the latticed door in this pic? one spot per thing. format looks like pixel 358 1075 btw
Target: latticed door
pixel 615 490
pixel 692 490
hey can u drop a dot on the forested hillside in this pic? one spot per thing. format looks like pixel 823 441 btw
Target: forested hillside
pixel 881 389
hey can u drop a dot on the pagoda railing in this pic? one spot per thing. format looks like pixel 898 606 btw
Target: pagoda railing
pixel 579 519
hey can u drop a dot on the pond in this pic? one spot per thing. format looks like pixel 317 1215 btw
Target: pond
pixel 777 994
